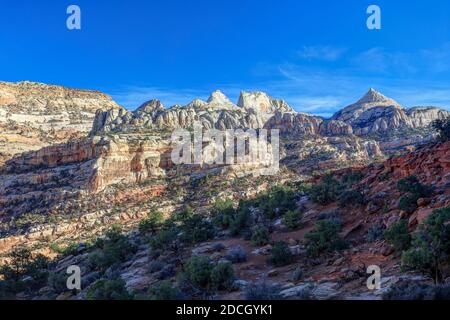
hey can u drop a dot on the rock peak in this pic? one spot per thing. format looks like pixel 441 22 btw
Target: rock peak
pixel 218 97
pixel 373 96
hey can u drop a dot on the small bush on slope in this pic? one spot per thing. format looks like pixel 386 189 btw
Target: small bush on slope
pixel 430 252
pixel 325 238
pixel 281 254
pixel 398 236
pixel 109 290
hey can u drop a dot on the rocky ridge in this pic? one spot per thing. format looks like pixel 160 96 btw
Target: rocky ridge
pixel 35 115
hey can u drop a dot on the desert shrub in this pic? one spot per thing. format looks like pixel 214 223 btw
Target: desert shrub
pixel 281 254
pixel 325 238
pixel 112 250
pixel 327 191
pixel 197 272
pixel 184 214
pixel 277 201
pixel 398 236
pixel 152 223
pixel 163 239
pixel 260 235
pixel 413 186
pixel 297 275
pixel 351 178
pixel 408 203
pixel 409 291
pixel 292 219
pixel 262 291
pixel 414 190
pixel 223 213
pixel 442 126
pixel 197 229
pixel 57 282
pixel 22 265
pixel 351 198
pixel 222 276
pixel 431 246
pixel 108 290
pixel 164 290
pixel 332 216
pixel 242 219
pixel 375 233
pixel 236 255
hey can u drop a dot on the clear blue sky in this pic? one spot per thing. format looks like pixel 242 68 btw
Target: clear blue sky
pixel 318 55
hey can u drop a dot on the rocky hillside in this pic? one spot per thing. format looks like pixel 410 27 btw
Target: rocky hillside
pixel 54 198
pixel 35 115
pixel 298 241
pixel 375 113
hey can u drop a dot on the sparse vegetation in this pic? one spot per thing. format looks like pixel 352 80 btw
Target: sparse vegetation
pixel 281 254
pixel 112 250
pixel 398 236
pixel 431 246
pixel 109 290
pixel 164 290
pixel 442 126
pixel 325 238
pixel 260 235
pixel 292 219
pixel 415 190
pixel 327 191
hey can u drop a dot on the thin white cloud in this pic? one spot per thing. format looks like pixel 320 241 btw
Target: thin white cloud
pixel 325 53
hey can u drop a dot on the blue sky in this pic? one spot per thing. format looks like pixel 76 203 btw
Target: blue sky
pixel 317 55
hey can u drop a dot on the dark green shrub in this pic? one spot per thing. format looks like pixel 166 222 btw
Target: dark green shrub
pixel 352 178
pixel 223 213
pixel 22 264
pixel 260 235
pixel 292 219
pixel 413 186
pixel 431 246
pixel 325 238
pixel 197 272
pixel 108 290
pixel 262 291
pixel 398 236
pixel 351 198
pixel 237 255
pixel 184 214
pixel 114 249
pixel 408 203
pixel 197 229
pixel 327 191
pixel 152 223
pixel 164 290
pixel 277 201
pixel 222 276
pixel 243 218
pixel 163 239
pixel 281 254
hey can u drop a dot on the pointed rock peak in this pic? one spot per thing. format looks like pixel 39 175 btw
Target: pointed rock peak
pixel 197 103
pixel 219 98
pixel 151 106
pixel 373 96
pixel 262 102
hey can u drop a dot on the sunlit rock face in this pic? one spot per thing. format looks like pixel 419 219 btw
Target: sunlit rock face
pixel 35 115
pixel 375 113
